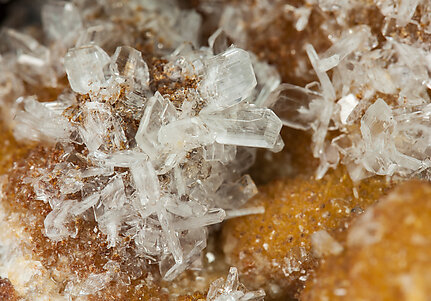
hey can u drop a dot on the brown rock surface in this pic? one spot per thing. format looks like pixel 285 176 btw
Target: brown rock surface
pixel 7 292
pixel 273 250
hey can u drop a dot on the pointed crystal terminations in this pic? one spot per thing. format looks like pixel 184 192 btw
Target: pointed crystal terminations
pixel 127 62
pixel 157 163
pixel 85 68
pixel 232 290
pixel 158 112
pixel 229 78
pixel 248 125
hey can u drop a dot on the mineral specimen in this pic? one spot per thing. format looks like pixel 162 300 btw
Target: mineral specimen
pixel 386 252
pixel 231 289
pixel 144 152
pixel 129 128
pixel 279 249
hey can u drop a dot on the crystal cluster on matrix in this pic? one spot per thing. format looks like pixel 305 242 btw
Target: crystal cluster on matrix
pixel 232 289
pixel 370 106
pixel 376 102
pixel 154 164
pixel 304 220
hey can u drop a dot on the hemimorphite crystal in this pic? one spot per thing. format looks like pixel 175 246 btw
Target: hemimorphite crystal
pixel 37 122
pixel 232 290
pixel 219 152
pixel 61 21
pixel 85 68
pixel 247 126
pixel 158 112
pixel 127 62
pixel 152 154
pixel 229 78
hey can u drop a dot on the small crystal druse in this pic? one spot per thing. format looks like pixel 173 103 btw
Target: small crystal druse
pixel 128 129
pixel 152 146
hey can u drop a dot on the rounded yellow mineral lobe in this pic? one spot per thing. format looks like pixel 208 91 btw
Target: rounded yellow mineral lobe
pixel 273 250
pixel 386 253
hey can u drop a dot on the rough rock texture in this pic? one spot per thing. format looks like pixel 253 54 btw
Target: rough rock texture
pixel 10 149
pixel 7 292
pixel 386 254
pixel 274 250
pixel 350 80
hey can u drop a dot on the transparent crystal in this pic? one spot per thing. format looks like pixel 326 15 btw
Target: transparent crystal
pixel 171 238
pixel 99 127
pixel 56 222
pixel 37 122
pixel 146 182
pixel 213 216
pixel 126 158
pixel 33 59
pixel 268 81
pixel 127 62
pixel 218 41
pixel 327 87
pixel 231 289
pixel 236 194
pixel 85 68
pixel 219 152
pixel 233 213
pixel 352 40
pixel 184 134
pixel 102 35
pixel 302 15
pixel 158 112
pixel 244 159
pixel 195 243
pixel 279 145
pixel 87 203
pixel 91 285
pixel 293 106
pixel 247 126
pixel 229 78
pixel 347 104
pixel 29 50
pixel 70 182
pixel 61 21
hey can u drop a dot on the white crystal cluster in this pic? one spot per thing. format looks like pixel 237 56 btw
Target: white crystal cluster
pixel 372 93
pixel 156 168
pixel 371 96
pixel 232 290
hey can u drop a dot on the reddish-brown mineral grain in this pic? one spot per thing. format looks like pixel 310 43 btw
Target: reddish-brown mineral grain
pixel 7 292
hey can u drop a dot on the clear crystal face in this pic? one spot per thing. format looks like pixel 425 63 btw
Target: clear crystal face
pixel 149 131
pixel 232 289
pixel 245 125
pixel 229 78
pixel 85 68
pixel 155 149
